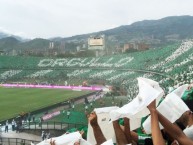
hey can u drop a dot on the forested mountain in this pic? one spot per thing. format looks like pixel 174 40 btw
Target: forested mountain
pixel 153 32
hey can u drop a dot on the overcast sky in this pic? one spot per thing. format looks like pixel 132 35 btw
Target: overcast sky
pixel 64 18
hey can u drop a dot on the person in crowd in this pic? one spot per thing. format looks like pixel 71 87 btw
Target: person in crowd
pixel 17 126
pixel 43 135
pixel 77 143
pixel 73 106
pixel 140 139
pixel 123 136
pixel 99 137
pixel 13 124
pixel 22 142
pixel 70 103
pixel 86 107
pixel 174 131
pixel 6 126
pixel 68 114
pixel 29 117
pixel 52 142
pixel 48 135
pixel 91 105
pixel 155 129
pixel 33 118
pixel 121 103
pixel 40 121
pixel 86 101
pixel 185 120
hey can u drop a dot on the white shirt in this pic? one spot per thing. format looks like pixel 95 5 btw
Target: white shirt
pixel 189 132
pixel 13 122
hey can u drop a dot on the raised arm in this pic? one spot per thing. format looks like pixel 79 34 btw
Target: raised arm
pixel 174 131
pixel 127 130
pixel 155 129
pixel 99 137
pixel 52 142
pixel 130 135
pixel 120 135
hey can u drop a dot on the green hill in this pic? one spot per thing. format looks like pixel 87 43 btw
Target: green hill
pixel 8 43
pixel 176 26
pixel 154 32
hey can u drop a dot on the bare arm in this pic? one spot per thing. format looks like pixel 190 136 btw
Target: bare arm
pixel 134 136
pixel 52 142
pixel 155 129
pixel 96 129
pixel 174 130
pixel 127 130
pixel 120 135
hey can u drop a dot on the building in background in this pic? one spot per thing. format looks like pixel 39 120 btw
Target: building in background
pixel 138 46
pixel 97 44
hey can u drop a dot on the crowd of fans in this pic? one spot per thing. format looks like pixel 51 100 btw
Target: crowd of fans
pixel 173 60
pixel 175 132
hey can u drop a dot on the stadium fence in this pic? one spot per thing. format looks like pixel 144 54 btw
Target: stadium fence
pixel 16 141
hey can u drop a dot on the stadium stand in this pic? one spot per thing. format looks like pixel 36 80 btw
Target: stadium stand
pixel 169 65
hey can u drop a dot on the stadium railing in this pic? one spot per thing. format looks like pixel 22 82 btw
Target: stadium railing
pixel 50 126
pixel 16 141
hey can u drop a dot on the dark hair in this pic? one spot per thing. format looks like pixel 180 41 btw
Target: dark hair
pixel 189 103
pixel 148 141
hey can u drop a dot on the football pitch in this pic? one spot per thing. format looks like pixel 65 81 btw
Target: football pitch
pixel 13 101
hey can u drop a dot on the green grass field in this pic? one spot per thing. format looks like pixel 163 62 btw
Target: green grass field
pixel 13 101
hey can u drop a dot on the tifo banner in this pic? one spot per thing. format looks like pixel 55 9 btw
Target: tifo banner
pixel 50 115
